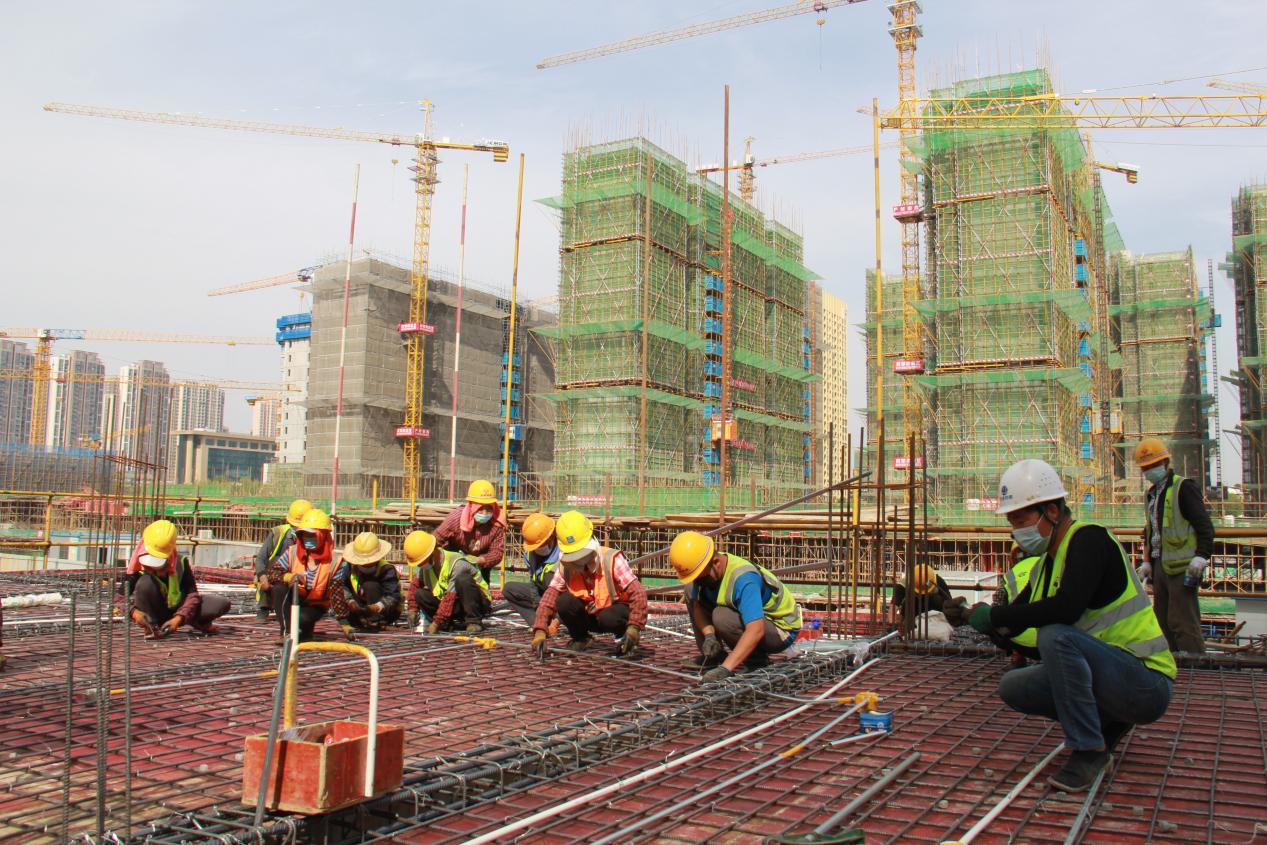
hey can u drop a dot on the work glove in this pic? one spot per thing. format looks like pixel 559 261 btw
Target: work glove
pixel 956 611
pixel 376 607
pixel 1197 567
pixel 979 618
pixel 348 631
pixel 717 673
pixel 170 626
pixel 539 638
pixel 414 618
pixel 1145 571
pixel 288 577
pixel 433 628
pixel 632 636
pixel 146 623
pixel 710 648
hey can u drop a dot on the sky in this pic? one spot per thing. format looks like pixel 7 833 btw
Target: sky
pixel 114 224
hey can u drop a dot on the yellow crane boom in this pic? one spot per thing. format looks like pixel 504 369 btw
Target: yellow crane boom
pixel 747 186
pixel 1053 111
pixel 296 278
pixel 1243 87
pixel 414 328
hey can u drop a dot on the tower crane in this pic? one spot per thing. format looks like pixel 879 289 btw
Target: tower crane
pixel 44 339
pixel 746 168
pixel 414 328
pixel 1241 87
pixel 296 278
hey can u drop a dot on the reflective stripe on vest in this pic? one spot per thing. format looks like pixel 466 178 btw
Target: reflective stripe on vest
pixel 319 593
pixel 171 585
pixel 781 608
pixel 541 578
pixel 281 531
pixel 1178 537
pixel 1014 582
pixel 599 594
pixel 1127 622
pixel 356 581
pixel 443 581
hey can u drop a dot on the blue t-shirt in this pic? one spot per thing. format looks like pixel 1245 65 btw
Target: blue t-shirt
pixel 750 594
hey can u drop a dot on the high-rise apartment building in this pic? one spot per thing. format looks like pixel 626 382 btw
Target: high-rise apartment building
pixel 138 423
pixel 294 336
pixel 15 393
pixel 831 392
pixel 76 393
pixel 266 416
pixel 195 407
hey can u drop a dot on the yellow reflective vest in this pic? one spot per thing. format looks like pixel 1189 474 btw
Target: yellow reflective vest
pixel 781 608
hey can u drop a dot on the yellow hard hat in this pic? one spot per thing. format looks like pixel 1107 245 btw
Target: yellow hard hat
pixel 574 531
pixel 923 579
pixel 690 553
pixel 481 492
pixel 315 520
pixel 419 546
pixel 537 529
pixel 1150 451
pixel 159 539
pixel 366 549
pixel 296 512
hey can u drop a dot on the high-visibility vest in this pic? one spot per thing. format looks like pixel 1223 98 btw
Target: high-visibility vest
pixel 441 582
pixel 1178 538
pixel 541 578
pixel 354 578
pixel 596 592
pixel 281 532
pixel 1127 622
pixel 319 593
pixel 1014 583
pixel 781 608
pixel 171 584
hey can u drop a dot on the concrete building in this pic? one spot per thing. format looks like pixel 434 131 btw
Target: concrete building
pixel 294 336
pixel 831 396
pixel 201 456
pixel 75 392
pixel 266 417
pixel 136 423
pixel 15 393
pixel 374 392
pixel 195 407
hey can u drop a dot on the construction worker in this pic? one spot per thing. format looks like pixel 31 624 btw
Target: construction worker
pixel 1105 665
pixel 310 566
pixel 1178 543
pixel 734 605
pixel 370 585
pixel 279 539
pixel 593 591
pixel 541 556
pixel 164 593
pixel 1022 645
pixel 477 529
pixel 928 590
pixel 449 588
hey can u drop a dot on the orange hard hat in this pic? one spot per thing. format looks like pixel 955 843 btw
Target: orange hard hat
pixel 537 529
pixel 1150 451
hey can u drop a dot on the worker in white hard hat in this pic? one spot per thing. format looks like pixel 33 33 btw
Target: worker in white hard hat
pixel 1178 545
pixel 1105 664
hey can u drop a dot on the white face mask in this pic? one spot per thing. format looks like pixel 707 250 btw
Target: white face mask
pixel 1030 539
pixel 1156 475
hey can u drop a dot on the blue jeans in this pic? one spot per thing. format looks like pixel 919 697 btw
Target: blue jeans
pixel 1085 684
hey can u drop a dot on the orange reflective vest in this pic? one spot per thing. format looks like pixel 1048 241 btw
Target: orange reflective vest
pixel 595 592
pixel 319 592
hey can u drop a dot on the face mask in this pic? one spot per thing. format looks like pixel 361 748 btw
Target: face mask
pixel 1156 475
pixel 483 517
pixel 1030 539
pixel 310 541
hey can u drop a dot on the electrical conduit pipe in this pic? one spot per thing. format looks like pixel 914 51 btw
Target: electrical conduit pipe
pixel 989 817
pixel 647 774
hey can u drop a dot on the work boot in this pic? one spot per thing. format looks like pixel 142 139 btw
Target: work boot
pixel 579 645
pixel 699 661
pixel 1114 733
pixel 1080 771
pixel 475 627
pixel 261 615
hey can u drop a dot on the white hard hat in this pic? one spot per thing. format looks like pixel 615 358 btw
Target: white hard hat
pixel 1029 482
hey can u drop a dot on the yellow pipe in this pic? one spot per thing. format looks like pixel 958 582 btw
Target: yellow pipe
pixel 292 672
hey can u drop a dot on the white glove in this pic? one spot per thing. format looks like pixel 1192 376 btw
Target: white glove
pixel 1197 566
pixel 1145 571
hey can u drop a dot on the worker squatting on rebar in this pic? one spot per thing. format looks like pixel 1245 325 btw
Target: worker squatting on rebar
pixel 449 588
pixel 164 593
pixel 369 584
pixel 309 565
pixel 740 613
pixel 1105 663
pixel 593 590
pixel 541 557
pixel 280 538
pixel 477 529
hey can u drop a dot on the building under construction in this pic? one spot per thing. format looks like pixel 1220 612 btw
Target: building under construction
pixel 1247 265
pixel 640 339
pixel 370 455
pixel 1026 352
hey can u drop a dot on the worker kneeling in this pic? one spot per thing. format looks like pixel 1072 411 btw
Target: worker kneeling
pixel 370 585
pixel 449 587
pixel 164 592
pixel 593 590
pixel 734 605
pixel 305 570
pixel 1105 665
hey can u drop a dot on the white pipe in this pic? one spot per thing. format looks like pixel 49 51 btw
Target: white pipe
pixel 646 774
pixel 857 737
pixel 669 631
pixel 371 740
pixel 457 338
pixel 31 600
pixel 967 838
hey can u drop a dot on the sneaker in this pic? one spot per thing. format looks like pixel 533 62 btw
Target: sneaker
pixel 475 627
pixel 1080 771
pixel 579 645
pixel 1114 732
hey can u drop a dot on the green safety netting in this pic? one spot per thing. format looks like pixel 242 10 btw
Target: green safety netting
pixel 1156 305
pixel 624 188
pixel 764 419
pixel 654 327
pixel 1167 398
pixel 1071 378
pixel 752 359
pixel 1072 302
pixel 620 392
